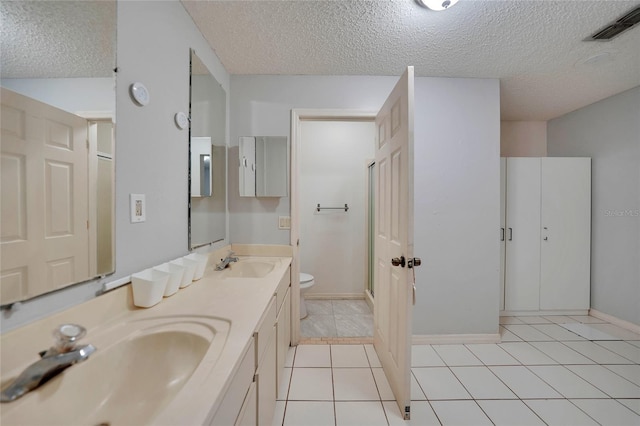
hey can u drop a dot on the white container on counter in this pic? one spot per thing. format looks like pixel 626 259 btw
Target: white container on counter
pixel 189 270
pixel 202 264
pixel 175 277
pixel 148 287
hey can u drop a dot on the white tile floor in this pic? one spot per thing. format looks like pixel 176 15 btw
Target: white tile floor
pixel 541 374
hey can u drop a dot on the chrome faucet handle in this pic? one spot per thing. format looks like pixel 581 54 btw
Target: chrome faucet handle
pixel 67 336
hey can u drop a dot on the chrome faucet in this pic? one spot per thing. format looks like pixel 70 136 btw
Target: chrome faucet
pixel 63 354
pixel 226 261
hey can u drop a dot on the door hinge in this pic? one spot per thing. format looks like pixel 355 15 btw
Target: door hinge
pixel 407 412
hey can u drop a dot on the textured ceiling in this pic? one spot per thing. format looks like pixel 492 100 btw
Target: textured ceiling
pixel 43 39
pixel 535 48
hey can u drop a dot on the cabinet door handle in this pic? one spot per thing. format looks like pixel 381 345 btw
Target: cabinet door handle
pixel 501 234
pixel 510 234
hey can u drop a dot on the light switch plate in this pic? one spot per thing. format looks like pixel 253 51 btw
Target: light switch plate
pixel 284 222
pixel 138 208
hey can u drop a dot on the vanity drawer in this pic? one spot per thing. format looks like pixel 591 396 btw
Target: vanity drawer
pixel 264 330
pixel 282 288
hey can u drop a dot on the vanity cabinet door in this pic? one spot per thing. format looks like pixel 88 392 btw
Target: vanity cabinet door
pixel 232 404
pixel 249 412
pixel 266 379
pixel 283 338
pixel 262 334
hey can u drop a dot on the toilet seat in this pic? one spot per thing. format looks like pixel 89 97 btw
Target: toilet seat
pixel 306 280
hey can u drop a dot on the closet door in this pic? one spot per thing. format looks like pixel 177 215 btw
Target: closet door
pixel 566 233
pixel 522 266
pixel 503 225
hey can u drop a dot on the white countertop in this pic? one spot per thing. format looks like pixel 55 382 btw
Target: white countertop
pixel 241 301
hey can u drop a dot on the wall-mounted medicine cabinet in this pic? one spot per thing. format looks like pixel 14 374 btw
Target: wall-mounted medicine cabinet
pixel 264 166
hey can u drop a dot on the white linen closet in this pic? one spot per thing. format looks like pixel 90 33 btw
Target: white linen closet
pixel 546 235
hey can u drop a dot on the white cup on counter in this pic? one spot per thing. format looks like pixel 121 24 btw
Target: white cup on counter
pixel 175 277
pixel 148 287
pixel 202 264
pixel 189 270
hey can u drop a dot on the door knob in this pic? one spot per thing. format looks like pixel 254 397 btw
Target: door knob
pixel 416 261
pixel 398 261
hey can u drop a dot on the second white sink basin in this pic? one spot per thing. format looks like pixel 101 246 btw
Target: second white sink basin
pixel 249 268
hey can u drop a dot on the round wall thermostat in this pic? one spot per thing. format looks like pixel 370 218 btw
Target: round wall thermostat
pixel 139 93
pixel 181 120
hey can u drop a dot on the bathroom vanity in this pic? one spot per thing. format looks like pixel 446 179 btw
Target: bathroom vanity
pixel 212 354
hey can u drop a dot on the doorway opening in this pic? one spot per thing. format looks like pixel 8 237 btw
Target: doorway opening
pixel 331 155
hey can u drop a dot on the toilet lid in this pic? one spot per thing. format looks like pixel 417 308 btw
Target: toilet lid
pixel 304 278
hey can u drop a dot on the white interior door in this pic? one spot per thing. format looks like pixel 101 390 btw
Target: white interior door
pixel 45 240
pixel 522 273
pixel 393 303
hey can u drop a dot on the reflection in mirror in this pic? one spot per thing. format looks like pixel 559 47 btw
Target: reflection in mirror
pixel 208 157
pixel 58 109
pixel 264 166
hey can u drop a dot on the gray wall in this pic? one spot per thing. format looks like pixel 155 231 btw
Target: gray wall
pixel 457 206
pixel 457 190
pixel 609 132
pixel 151 152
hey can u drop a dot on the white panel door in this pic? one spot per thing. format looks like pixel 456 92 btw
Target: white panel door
pixel 393 303
pixel 503 225
pixel 45 240
pixel 522 273
pixel 566 233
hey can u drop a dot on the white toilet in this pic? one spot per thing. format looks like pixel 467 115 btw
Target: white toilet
pixel 306 282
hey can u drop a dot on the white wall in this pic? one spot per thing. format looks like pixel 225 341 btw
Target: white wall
pixel 333 168
pixel 151 152
pixel 457 183
pixel 261 106
pixel 608 131
pixel 457 205
pixel 523 139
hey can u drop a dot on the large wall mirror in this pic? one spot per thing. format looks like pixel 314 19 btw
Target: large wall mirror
pixel 58 113
pixel 208 157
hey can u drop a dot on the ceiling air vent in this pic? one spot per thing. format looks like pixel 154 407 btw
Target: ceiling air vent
pixel 614 29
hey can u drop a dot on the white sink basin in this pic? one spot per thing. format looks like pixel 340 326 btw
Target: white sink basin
pixel 249 268
pixel 128 381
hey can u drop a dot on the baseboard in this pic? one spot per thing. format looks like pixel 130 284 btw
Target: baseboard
pixel 615 321
pixel 333 296
pixel 369 299
pixel 544 313
pixel 445 339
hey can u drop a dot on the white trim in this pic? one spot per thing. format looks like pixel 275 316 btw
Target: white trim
pixel 543 313
pixel 116 283
pixel 298 115
pixel 444 339
pixel 97 115
pixel 369 299
pixel 615 321
pixel 334 296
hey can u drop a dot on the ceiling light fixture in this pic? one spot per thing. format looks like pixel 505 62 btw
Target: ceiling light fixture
pixel 437 5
